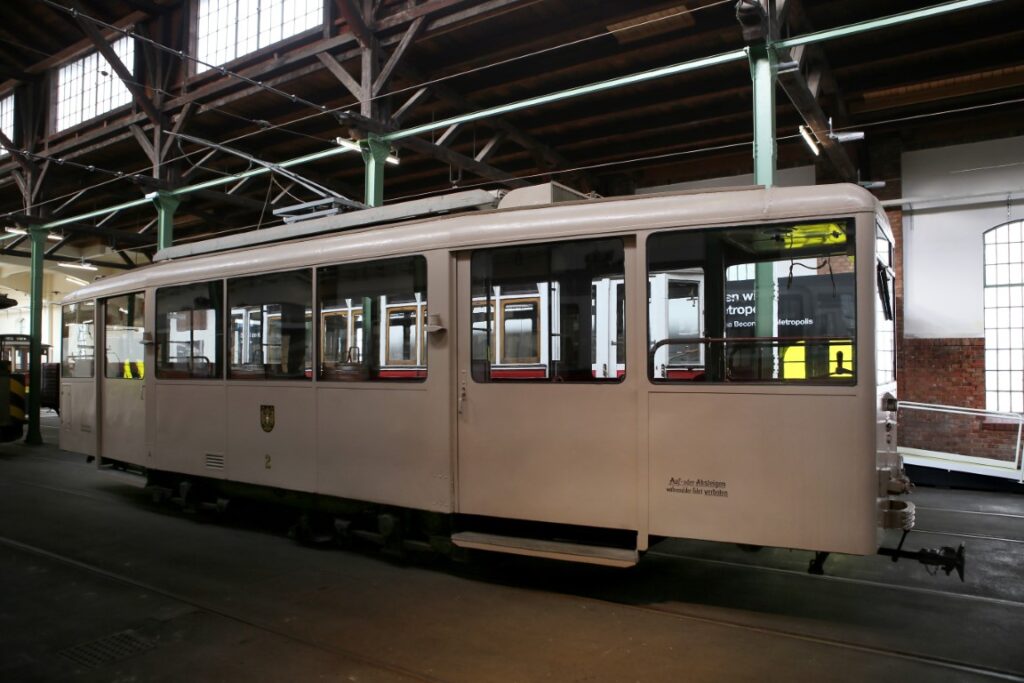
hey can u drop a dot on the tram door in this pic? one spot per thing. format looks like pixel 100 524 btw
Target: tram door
pixel 122 379
pixel 545 431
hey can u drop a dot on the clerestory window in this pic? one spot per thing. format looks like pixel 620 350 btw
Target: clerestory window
pixel 89 87
pixel 228 29
pixel 7 118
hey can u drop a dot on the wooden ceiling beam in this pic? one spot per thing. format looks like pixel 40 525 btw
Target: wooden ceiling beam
pixel 938 90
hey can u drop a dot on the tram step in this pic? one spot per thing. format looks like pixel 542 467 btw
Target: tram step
pixel 555 550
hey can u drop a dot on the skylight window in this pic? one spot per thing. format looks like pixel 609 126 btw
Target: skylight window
pixel 228 29
pixel 89 87
pixel 7 119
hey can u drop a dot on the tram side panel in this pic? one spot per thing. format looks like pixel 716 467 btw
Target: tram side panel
pixel 383 411
pixel 767 438
pixel 787 471
pixel 190 429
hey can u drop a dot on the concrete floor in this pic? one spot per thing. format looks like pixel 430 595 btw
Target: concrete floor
pixel 99 584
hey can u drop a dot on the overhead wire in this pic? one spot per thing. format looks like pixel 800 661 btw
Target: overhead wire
pixel 321 109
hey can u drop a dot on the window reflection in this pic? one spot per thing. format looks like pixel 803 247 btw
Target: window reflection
pixel 271 326
pixel 78 345
pixel 125 325
pixel 188 331
pixel 763 303
pixel 553 312
pixel 373 318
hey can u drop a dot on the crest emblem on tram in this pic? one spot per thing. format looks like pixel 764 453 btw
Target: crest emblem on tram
pixel 267 418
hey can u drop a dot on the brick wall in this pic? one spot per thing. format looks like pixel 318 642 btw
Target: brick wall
pixel 948 371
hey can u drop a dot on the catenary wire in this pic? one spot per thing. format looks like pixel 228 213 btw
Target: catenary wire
pixel 321 109
pixel 324 110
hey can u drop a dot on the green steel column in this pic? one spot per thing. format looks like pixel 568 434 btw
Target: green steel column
pixel 166 204
pixel 762 71
pixel 35 363
pixel 375 151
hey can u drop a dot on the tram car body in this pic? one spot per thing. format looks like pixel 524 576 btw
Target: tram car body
pixel 713 365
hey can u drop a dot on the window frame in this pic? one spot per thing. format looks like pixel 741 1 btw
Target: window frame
pixel 505 360
pixel 1004 332
pixel 850 222
pixel 136 370
pixel 233 373
pixel 373 370
pixel 197 72
pixel 220 332
pixel 54 119
pixel 8 109
pixel 64 348
pixel 494 305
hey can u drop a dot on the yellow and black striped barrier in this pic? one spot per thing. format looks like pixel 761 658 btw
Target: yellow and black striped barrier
pixel 17 397
pixel 12 404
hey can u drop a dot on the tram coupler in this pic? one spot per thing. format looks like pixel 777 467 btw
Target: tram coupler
pixel 946 558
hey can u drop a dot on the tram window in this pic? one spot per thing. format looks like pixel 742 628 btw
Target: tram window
pixel 271 326
pixel 769 303
pixel 549 313
pixel 372 320
pixel 189 336
pixel 124 325
pixel 78 345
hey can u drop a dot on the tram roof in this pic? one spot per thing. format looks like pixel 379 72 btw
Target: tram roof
pixel 559 221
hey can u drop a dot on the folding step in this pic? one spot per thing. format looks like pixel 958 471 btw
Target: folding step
pixel 554 550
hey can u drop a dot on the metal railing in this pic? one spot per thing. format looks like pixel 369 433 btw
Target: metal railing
pixel 1006 469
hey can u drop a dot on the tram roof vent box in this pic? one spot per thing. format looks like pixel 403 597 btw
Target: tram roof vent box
pixel 539 195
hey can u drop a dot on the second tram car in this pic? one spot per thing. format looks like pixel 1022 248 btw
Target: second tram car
pixel 569 380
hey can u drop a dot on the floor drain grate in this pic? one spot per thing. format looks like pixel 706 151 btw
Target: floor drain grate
pixel 107 650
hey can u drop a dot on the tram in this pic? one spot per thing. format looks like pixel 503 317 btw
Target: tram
pixel 571 380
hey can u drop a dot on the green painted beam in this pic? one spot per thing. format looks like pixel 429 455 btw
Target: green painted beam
pixel 682 67
pixel 762 73
pixel 661 72
pixel 883 22
pixel 166 204
pixel 375 151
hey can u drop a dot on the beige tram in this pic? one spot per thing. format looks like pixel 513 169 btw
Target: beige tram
pixel 568 380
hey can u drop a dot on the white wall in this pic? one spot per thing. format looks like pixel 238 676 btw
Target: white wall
pixel 943 255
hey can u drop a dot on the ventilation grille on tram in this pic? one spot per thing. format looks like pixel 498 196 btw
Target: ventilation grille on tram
pixel 215 461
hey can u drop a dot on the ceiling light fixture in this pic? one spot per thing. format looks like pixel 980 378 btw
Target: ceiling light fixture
pixel 78 266
pixel 806 133
pixel 53 237
pixel 356 147
pixel 76 280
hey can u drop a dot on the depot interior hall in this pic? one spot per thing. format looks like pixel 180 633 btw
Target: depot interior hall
pixel 501 340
